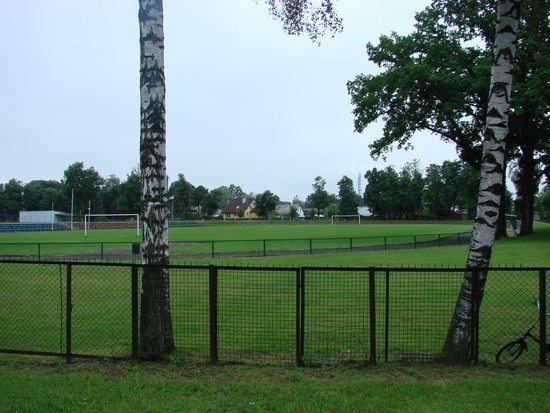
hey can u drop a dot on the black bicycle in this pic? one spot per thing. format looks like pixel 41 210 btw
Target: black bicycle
pixel 512 350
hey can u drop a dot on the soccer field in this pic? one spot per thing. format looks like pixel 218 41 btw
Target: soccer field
pixel 194 244
pixel 214 231
pixel 245 239
pixel 262 302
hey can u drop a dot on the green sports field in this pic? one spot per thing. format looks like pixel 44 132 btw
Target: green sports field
pixel 41 384
pixel 305 241
pixel 269 298
pixel 214 231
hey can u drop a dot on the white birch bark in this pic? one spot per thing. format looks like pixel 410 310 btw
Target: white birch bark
pixel 156 325
pixel 457 344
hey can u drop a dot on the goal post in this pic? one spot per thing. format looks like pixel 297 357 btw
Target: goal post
pixel 345 218
pixel 87 220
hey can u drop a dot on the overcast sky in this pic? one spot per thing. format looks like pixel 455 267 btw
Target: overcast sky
pixel 246 104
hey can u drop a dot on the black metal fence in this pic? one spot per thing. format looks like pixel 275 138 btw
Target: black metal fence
pixel 181 249
pixel 275 315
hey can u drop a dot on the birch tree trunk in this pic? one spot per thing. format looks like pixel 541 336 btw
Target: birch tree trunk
pixel 458 342
pixel 156 335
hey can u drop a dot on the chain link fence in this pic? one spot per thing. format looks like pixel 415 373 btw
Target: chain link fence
pixel 264 315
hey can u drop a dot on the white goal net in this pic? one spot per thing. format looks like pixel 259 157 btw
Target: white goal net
pixel 345 218
pixel 111 221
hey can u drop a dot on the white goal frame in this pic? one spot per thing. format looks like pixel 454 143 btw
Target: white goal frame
pixel 345 216
pixel 88 216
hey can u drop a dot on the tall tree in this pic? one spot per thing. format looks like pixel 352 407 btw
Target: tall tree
pixel 346 195
pixel 83 185
pixel 156 325
pixel 528 144
pixel 318 200
pixel 444 190
pixel 236 191
pixel 380 189
pixel 410 188
pixel 305 16
pixel 39 196
pixel 436 79
pixel 12 199
pixel 224 195
pixel 214 201
pixel 109 194
pixel 156 334
pixel 129 198
pixel 182 192
pixel 458 341
pixel 199 195
pixel 265 203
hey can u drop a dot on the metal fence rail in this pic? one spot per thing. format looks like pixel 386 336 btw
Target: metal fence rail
pixel 278 315
pixel 182 249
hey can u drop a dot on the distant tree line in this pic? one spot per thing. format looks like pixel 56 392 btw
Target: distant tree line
pixel 439 192
pixel 444 191
pixel 84 190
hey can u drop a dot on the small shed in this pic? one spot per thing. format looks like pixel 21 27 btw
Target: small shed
pixel 43 217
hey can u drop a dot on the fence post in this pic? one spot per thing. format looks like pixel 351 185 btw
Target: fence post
pixel 264 247
pixel 542 319
pixel 310 246
pixel 372 317
pixel 69 310
pixel 387 317
pixel 135 313
pixel 213 312
pixel 300 307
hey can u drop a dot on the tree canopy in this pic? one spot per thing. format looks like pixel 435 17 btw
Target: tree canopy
pixel 319 199
pixel 441 193
pixel 437 79
pixel 314 18
pixel 348 198
pixel 82 184
pixel 266 203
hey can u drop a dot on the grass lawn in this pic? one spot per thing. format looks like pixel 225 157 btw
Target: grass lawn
pixel 43 385
pixel 247 231
pixel 518 251
pixel 245 237
pixel 531 251
pixel 40 384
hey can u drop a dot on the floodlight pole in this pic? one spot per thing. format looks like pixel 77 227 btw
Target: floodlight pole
pixel 89 215
pixel 72 208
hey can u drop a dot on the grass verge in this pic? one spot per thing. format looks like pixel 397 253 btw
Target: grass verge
pixel 28 385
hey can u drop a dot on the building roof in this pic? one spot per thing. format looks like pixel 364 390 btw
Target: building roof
pixel 235 204
pixel 284 209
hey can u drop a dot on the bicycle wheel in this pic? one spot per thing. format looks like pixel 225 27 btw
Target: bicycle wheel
pixel 510 352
